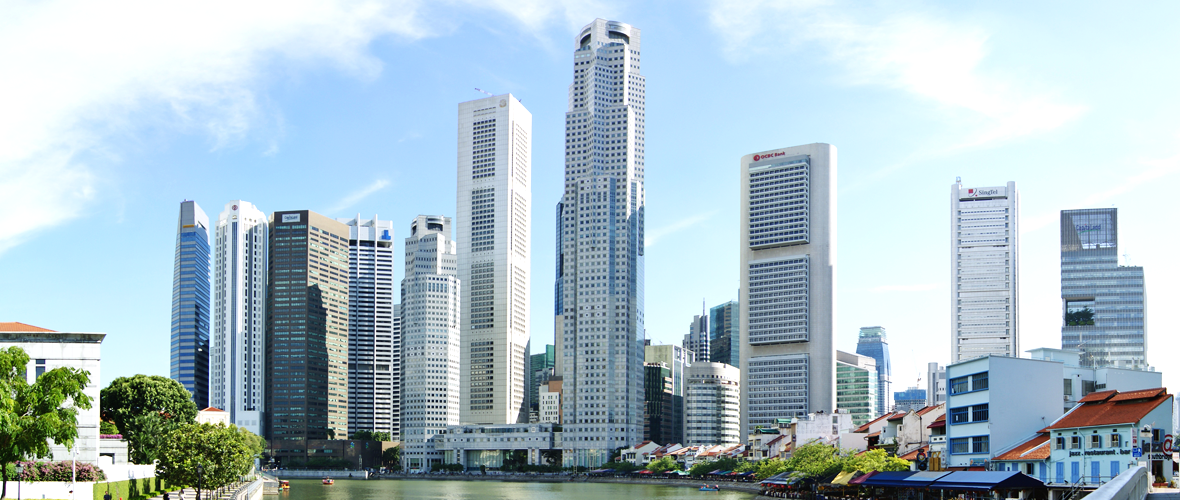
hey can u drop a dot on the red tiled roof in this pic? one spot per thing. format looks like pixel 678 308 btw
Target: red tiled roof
pixel 213 409
pixel 865 427
pixel 1034 449
pixel 928 409
pixel 878 433
pixel 1122 408
pixel 897 416
pixel 913 455
pixel 1098 396
pixel 938 422
pixel 17 326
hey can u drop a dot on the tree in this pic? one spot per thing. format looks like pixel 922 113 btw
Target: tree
pixel 225 453
pixel 129 401
pixel 817 459
pixel 665 463
pixel 770 467
pixel 32 414
pixel 392 457
pixel 875 460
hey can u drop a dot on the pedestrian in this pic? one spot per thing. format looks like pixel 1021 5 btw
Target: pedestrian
pixel 166 496
pixel 107 495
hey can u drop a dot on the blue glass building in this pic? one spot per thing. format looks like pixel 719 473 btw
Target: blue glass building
pixel 724 336
pixel 1102 302
pixel 190 303
pixel 909 399
pixel 873 343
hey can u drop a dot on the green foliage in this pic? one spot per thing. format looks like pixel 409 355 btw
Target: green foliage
pixel 132 489
pixel 744 466
pixel 107 428
pixel 723 463
pixel 32 414
pixel 372 436
pixel 224 453
pixel 621 466
pixel 145 409
pixel 770 467
pixel 551 457
pixel 664 464
pixel 874 460
pixel 817 459
pixel 392 457
pixel 1080 318
pixel 56 471
pixel 447 468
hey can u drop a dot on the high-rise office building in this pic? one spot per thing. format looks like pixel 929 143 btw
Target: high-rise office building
pixel 788 269
pixel 724 339
pixel 909 399
pixel 307 331
pixel 856 386
pixel 712 406
pixel 374 333
pixel 676 360
pixel 430 341
pixel 697 338
pixel 985 256
pixel 935 384
pixel 602 246
pixel 190 303
pixel 1102 300
pixel 492 231
pixel 658 406
pixel 237 375
pixel 541 368
pixel 873 343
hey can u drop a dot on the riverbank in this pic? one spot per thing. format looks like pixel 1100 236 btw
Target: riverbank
pixel 543 478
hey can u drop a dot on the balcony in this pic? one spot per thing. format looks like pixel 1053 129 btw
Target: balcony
pixel 938 439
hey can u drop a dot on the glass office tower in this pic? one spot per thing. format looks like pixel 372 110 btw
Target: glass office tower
pixel 873 343
pixel 190 303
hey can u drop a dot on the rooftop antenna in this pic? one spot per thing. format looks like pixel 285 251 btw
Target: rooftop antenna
pixel 484 91
pixel 958 180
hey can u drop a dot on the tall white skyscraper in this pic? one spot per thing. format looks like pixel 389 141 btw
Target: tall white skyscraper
pixel 697 338
pixel 788 273
pixel 430 341
pixel 237 376
pixel 985 247
pixel 374 340
pixel 492 230
pixel 602 246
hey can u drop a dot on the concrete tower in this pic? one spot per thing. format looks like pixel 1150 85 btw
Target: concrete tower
pixel 985 251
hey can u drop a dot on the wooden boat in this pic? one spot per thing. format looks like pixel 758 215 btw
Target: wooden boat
pixel 285 485
pixel 328 481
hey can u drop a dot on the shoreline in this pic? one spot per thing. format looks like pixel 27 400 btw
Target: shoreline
pixel 752 488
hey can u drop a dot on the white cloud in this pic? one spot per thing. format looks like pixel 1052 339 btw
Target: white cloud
pixel 78 74
pixel 651 236
pixel 934 59
pixel 358 195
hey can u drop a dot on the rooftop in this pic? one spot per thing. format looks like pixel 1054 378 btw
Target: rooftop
pixel 16 326
pixel 1112 407
pixel 1036 448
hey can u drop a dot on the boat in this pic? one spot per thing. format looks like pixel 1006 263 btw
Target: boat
pixel 710 488
pixel 328 481
pixel 285 485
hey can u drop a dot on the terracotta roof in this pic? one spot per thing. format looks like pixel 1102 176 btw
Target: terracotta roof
pixel 913 455
pixel 1098 396
pixel 938 422
pixel 897 416
pixel 865 427
pixel 775 440
pixel 928 409
pixel 1122 408
pixel 17 326
pixel 1034 449
pixel 878 433
pixel 213 409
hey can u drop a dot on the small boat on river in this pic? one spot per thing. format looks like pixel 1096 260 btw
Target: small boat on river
pixel 328 481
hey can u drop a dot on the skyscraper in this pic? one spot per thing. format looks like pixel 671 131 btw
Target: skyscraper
pixel 602 246
pixel 307 331
pixel 1103 301
pixel 724 339
pixel 492 231
pixel 856 386
pixel 935 384
pixel 985 256
pixel 697 338
pixel 788 270
pixel 374 337
pixel 873 343
pixel 430 341
pixel 659 411
pixel 712 405
pixel 237 378
pixel 676 360
pixel 190 303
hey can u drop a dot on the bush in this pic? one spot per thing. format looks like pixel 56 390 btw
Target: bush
pixel 56 471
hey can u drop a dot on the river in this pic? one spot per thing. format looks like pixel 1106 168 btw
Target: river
pixel 385 489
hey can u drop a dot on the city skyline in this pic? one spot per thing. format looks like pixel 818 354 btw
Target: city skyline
pixel 304 136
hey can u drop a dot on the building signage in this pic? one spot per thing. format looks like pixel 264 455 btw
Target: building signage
pixel 986 192
pixel 1097 452
pixel 769 155
pixel 1136 452
pixel 1161 456
pixel 290 217
pixel 1087 228
pixel 1168 446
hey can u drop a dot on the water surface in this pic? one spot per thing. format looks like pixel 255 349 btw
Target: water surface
pixel 385 489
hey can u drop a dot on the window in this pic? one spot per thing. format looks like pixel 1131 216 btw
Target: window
pixel 1028 468
pixel 1116 441
pixel 1068 387
pixel 959 415
pixel 1060 443
pixel 959 385
pixel 1075 442
pixel 979 381
pixel 960 445
pixel 1096 441
pixel 979 412
pixel 979 444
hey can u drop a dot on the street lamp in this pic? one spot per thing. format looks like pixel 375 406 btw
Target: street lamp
pixel 200 474
pixel 19 469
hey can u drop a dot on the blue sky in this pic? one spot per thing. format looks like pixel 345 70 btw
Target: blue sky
pixel 112 114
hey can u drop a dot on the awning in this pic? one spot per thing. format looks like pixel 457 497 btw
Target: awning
pixel 987 481
pixel 923 479
pixel 842 478
pixel 862 479
pixel 890 478
pixel 644 471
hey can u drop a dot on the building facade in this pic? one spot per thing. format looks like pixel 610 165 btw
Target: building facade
pixel 602 246
pixel 191 284
pixel 1080 381
pixel 724 338
pixel 935 384
pixel 492 233
pixel 237 374
pixel 549 410
pixel 712 407
pixel 541 371
pixel 872 342
pixel 856 386
pixel 788 268
pixel 1102 301
pixel 430 342
pixel 659 409
pixel 307 332
pixel 697 338
pixel 492 446
pixel 985 262
pixel 909 399
pixel 374 329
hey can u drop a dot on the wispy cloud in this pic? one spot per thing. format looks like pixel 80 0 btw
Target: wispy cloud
pixel 79 74
pixel 925 287
pixel 651 236
pixel 934 59
pixel 358 195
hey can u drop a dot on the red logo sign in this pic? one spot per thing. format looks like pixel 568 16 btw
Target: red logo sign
pixel 235 207
pixel 771 155
pixel 970 191
pixel 1168 445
